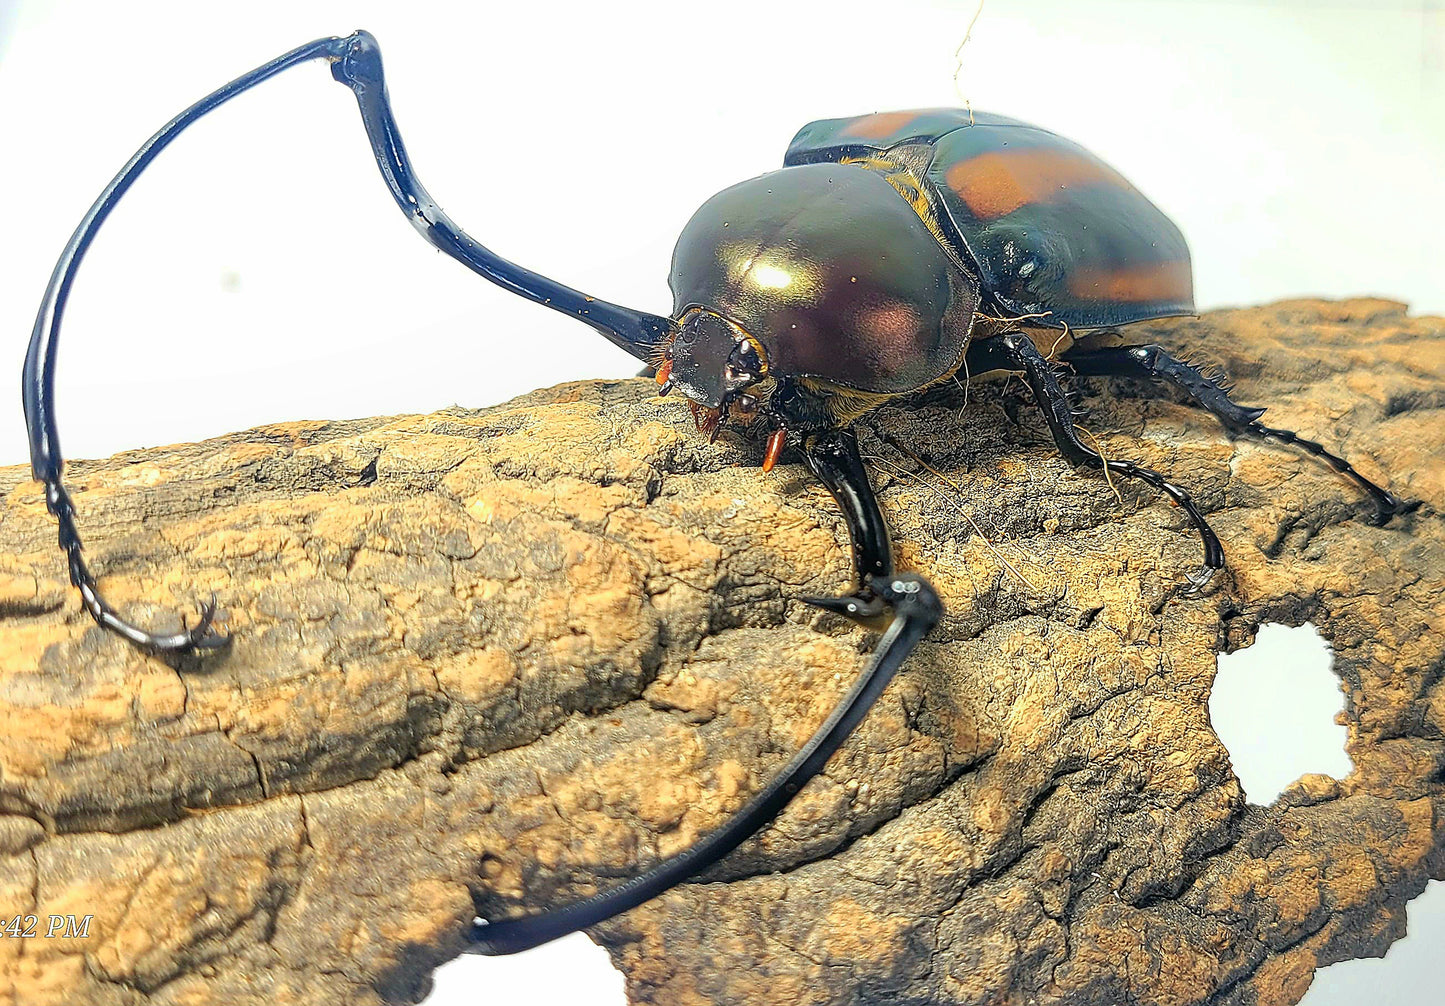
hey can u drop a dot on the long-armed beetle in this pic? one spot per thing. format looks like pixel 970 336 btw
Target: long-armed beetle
pixel 877 263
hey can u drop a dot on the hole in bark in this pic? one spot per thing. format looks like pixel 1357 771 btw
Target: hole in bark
pixel 1274 706
pixel 562 973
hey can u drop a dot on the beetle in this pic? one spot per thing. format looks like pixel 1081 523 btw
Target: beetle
pixel 889 253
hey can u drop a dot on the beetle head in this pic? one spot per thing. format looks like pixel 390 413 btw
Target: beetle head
pixel 714 362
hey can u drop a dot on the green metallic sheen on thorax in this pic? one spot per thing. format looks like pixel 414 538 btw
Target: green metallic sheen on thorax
pixel 834 274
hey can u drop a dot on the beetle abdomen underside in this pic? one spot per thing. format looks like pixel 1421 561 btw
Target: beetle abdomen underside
pixel 835 275
pixel 1053 230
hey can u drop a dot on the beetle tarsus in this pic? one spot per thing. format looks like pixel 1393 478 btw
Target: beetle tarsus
pixel 1387 504
pixel 1394 506
pixel 202 635
pixel 866 607
pixel 197 639
pixel 1200 579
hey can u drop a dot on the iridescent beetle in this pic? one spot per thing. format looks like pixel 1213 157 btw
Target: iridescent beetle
pixel 878 262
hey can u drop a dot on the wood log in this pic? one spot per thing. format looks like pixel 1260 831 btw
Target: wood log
pixel 492 660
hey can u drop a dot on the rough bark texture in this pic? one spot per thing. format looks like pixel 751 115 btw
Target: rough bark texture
pixel 508 654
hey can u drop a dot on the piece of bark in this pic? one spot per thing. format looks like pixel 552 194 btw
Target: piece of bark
pixel 514 653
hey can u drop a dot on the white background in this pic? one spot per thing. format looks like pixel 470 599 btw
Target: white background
pixel 260 271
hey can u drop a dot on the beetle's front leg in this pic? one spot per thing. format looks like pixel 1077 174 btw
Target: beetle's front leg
pixel 200 637
pixel 833 458
pixel 903 605
pixel 356 62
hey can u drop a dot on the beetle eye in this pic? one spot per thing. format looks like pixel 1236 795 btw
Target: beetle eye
pixel 747 403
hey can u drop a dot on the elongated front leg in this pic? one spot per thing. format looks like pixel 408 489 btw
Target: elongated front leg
pixel 1209 393
pixel 1015 351
pixel 833 458
pixel 356 62
pixel 904 604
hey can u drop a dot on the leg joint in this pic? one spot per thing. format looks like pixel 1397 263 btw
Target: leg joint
pixel 1146 355
pixel 1017 344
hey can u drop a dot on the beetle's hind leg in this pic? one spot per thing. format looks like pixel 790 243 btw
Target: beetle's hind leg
pixel 1154 362
pixel 1015 351
pixel 356 62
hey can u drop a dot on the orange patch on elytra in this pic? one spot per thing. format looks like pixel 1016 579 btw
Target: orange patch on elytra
pixel 1156 281
pixel 999 182
pixel 879 124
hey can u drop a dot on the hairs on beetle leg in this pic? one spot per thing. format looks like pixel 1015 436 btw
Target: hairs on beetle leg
pixel 966 384
pixel 1108 476
pixel 1067 333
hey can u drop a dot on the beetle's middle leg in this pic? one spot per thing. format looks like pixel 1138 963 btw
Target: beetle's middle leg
pixel 1154 362
pixel 1015 351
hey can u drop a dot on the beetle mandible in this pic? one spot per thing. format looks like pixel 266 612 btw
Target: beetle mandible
pixel 890 252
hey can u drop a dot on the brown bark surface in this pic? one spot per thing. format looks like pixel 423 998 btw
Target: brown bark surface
pixel 512 654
